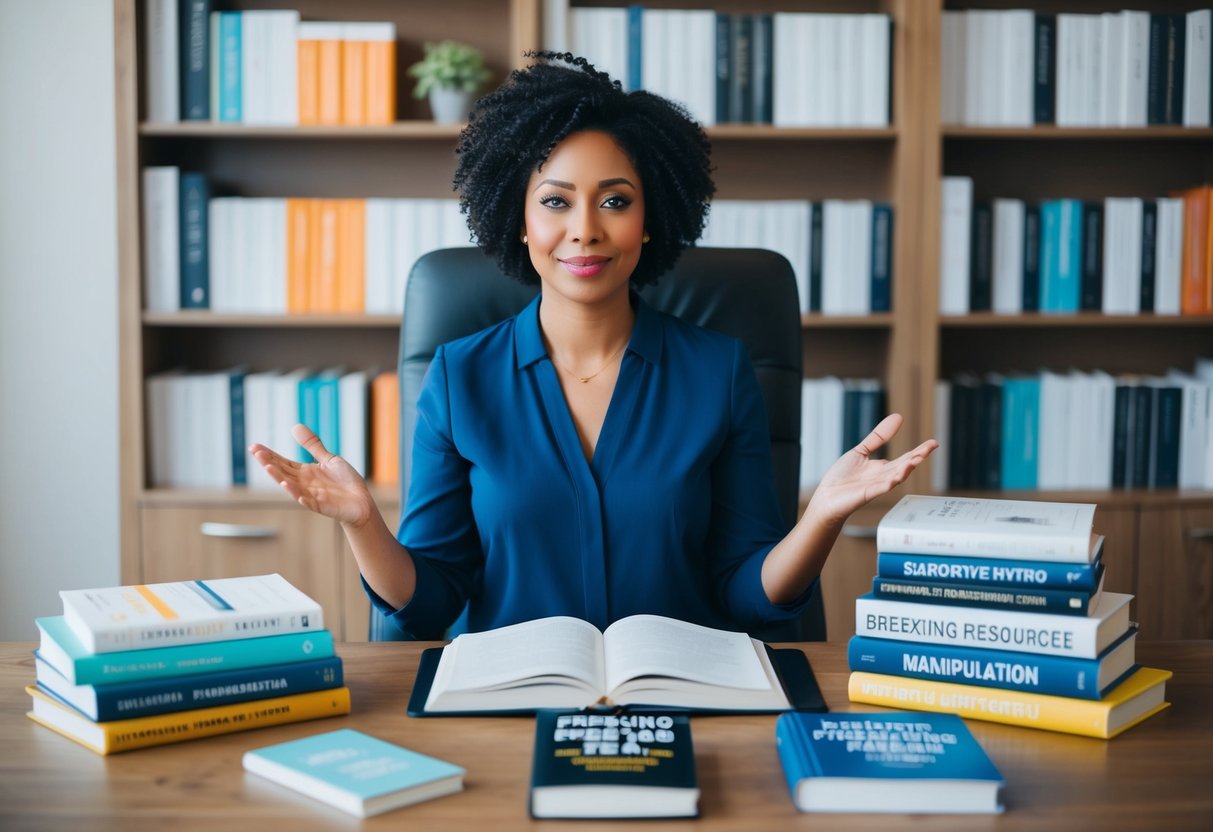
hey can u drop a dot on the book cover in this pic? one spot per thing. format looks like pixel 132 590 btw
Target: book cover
pixel 1139 696
pixel 1059 601
pixel 355 772
pixel 885 762
pixel 126 700
pixel 1080 636
pixel 194 51
pixel 109 619
pixel 161 729
pixel 1053 675
pixel 193 237
pixel 993 572
pixel 589 765
pixel 976 527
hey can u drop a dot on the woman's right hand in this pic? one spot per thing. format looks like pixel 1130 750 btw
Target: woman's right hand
pixel 328 486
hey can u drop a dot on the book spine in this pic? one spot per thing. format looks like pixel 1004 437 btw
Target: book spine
pixel 986 572
pixel 1020 432
pixel 1164 450
pixel 172 694
pixel 1009 707
pixel 816 254
pixel 1028 632
pixel 1031 258
pixel 1058 601
pixel 1044 76
pixel 162 729
pixel 1003 669
pixel 1157 73
pixel 635 79
pixel 1149 247
pixel 236 400
pixel 231 91
pixel 193 239
pixel 194 53
pixel 1091 280
pixel 761 73
pixel 882 258
pixel 795 753
pixel 1121 413
pixel 989 401
pixel 981 254
pixel 230 626
pixel 740 98
pixel 724 66
pixel 1173 91
pixel 1138 471
pixel 163 66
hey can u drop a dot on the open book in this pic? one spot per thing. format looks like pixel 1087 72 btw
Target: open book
pixel 563 662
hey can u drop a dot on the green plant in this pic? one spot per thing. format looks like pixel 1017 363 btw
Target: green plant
pixel 450 65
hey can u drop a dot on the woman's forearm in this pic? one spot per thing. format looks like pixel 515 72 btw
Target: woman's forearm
pixel 797 560
pixel 383 561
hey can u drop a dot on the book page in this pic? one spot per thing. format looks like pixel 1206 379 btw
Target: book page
pixel 652 645
pixel 557 646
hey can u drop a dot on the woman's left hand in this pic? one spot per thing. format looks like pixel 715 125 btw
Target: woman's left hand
pixel 856 479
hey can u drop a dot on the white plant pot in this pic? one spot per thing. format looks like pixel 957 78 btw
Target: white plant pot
pixel 450 106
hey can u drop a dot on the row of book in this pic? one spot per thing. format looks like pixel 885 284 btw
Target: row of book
pixel 1075 430
pixel 266 67
pixel 996 610
pixel 1115 69
pixel 841 250
pixel 835 415
pixel 786 69
pixel 200 424
pixel 129 667
pixel 271 255
pixel 1121 255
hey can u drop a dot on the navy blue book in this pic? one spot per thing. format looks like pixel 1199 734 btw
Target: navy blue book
pixel 1122 419
pixel 1045 68
pixel 816 254
pixel 994 572
pixel 1149 245
pixel 194 55
pixel 881 298
pixel 989 431
pixel 169 694
pixel 740 100
pixel 1137 474
pixel 762 50
pixel 236 398
pixel 1060 601
pixel 724 65
pixel 1091 288
pixel 1164 80
pixel 981 257
pixel 195 261
pixel 1029 672
pixel 887 761
pixel 1031 257
pixel 1165 418
pixel 589 765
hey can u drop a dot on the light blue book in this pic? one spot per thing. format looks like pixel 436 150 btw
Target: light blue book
pixel 1061 255
pixel 355 772
pixel 231 92
pixel 1020 431
pixel 60 648
pixel 887 761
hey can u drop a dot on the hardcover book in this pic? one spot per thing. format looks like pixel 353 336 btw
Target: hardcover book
pixel 643 660
pixel 885 762
pixel 186 612
pixel 355 772
pixel 1138 697
pixel 590 765
pixel 1059 601
pixel 994 572
pixel 161 729
pixel 975 527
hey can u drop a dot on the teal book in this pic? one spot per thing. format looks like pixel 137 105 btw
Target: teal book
pixel 613 765
pixel 230 51
pixel 1061 255
pixel 60 648
pixel 355 772
pixel 885 762
pixel 1020 432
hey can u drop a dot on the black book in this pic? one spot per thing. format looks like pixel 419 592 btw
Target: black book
pixel 962 421
pixel 1137 474
pixel 724 65
pixel 1091 287
pixel 1045 68
pixel 1031 257
pixel 1164 81
pixel 1149 244
pixel 816 254
pixel 981 258
pixel 1122 428
pixel 613 765
pixel 989 409
pixel 741 65
pixel 762 50
pixel 1165 421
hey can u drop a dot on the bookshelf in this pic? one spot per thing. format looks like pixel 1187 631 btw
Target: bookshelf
pixel 908 348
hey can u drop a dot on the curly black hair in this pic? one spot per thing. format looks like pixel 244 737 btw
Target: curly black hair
pixel 512 131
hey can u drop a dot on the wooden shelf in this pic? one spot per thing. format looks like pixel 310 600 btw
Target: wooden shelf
pixel 876 320
pixel 1074 320
pixel 203 318
pixel 1052 133
pixel 215 130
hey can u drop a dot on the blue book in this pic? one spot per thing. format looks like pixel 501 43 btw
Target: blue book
pixel 887 761
pixel 194 54
pixel 993 572
pixel 355 772
pixel 1044 74
pixel 1020 431
pixel 169 694
pixel 882 258
pixel 318 410
pixel 1031 257
pixel 1050 675
pixel 1059 601
pixel 635 79
pixel 761 73
pixel 195 269
pixel 239 454
pixel 231 90
pixel 60 648
pixel 1060 255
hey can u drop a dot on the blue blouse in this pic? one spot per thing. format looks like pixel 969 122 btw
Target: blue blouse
pixel 672 516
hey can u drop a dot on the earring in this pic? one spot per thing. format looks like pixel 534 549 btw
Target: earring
pixel 645 239
pixel 524 239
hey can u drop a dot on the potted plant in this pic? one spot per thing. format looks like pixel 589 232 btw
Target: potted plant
pixel 450 74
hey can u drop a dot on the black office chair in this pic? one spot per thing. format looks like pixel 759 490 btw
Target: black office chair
pixel 747 293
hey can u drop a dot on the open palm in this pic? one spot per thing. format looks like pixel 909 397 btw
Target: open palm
pixel 328 486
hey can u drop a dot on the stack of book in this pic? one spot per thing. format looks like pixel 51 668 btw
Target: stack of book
pixel 134 666
pixel 995 610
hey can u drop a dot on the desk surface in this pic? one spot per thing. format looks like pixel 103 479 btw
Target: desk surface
pixel 1156 776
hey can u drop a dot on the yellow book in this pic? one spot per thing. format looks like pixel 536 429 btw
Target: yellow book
pixel 307 68
pixel 299 230
pixel 1133 700
pixel 162 729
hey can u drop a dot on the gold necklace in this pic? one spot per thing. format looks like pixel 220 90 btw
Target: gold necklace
pixel 586 379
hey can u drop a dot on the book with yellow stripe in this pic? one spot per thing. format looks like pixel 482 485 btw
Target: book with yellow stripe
pixel 187 612
pixel 1139 696
pixel 162 729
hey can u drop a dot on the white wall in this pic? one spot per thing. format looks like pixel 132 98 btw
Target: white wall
pixel 58 307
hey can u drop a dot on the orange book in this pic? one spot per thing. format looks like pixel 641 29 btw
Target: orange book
pixel 351 255
pixel 307 68
pixel 322 296
pixel 1197 263
pixel 353 79
pixel 385 429
pixel 380 72
pixel 299 222
pixel 327 37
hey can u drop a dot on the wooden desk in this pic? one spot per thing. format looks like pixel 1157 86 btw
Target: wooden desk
pixel 1158 775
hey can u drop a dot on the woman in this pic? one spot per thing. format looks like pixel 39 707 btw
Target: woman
pixel 590 456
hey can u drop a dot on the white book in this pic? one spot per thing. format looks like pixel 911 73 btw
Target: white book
pixel 1122 255
pixel 1073 98
pixel 601 37
pixel 859 251
pixel 1110 68
pixel 1168 255
pixel 556 27
pixel 1018 32
pixel 1051 464
pixel 957 208
pixel 254 67
pixel 1196 68
pixel 213 429
pixel 163 80
pixel 834 238
pixel 988 528
pixel 1049 634
pixel 259 270
pixel 161 239
pixel 1008 256
pixel 282 72
pixel 286 413
pixel 159 428
pixel 259 425
pixel 1136 72
pixel 1092 64
pixel 272 299
pixel 974 67
pixel 405 247
pixel 809 427
pixel 828 28
pixel 1102 429
pixel 943 427
pixel 830 439
pixel 788 69
pixel 379 255
pixel 873 75
pixel 952 68
pixel 1194 435
pixel 109 619
pixel 850 70
pixel 219 251
pixel 352 392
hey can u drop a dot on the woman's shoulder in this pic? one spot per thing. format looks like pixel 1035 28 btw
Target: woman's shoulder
pixel 488 343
